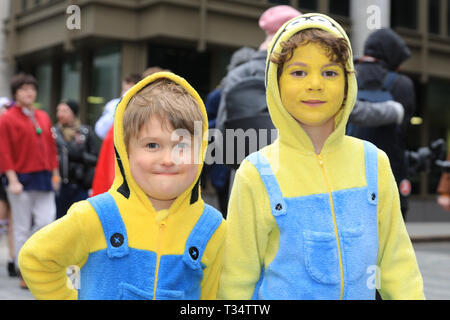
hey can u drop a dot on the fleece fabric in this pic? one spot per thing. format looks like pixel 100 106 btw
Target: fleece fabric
pixel 123 246
pixel 316 226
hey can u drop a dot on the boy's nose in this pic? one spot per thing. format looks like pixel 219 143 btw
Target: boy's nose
pixel 315 83
pixel 167 158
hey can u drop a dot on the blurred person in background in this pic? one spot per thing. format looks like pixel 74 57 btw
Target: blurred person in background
pixel 78 151
pixel 219 174
pixel 384 52
pixel 106 120
pixel 6 226
pixel 443 190
pixel 30 161
pixel 270 21
pixel 253 70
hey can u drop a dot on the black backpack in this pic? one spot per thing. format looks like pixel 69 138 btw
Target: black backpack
pixel 249 118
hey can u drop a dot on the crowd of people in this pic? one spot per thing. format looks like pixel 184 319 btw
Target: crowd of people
pixel 47 168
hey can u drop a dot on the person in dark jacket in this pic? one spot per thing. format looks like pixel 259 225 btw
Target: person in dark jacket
pixel 270 21
pixel 78 151
pixel 384 52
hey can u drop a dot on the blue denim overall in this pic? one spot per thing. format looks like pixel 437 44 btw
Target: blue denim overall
pixel 122 272
pixel 307 263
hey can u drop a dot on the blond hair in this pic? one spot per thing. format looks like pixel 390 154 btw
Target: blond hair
pixel 165 99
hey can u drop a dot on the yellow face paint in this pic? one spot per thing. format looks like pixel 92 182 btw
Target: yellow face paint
pixel 312 87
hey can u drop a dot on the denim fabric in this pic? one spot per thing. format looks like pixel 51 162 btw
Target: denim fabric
pixel 307 264
pixel 122 272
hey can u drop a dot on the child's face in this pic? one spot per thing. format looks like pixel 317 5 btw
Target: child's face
pixel 162 167
pixel 311 86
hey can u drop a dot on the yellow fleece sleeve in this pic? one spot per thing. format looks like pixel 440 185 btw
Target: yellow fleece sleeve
pixel 44 258
pixel 247 235
pixel 399 272
pixel 214 260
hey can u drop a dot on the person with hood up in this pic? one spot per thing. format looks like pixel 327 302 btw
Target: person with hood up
pixel 151 236
pixel 316 214
pixel 384 52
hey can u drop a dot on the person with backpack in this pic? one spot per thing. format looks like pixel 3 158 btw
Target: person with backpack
pixel 242 100
pixel 270 21
pixel 378 80
pixel 218 173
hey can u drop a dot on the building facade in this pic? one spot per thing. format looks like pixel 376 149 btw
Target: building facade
pixel 5 70
pixel 81 49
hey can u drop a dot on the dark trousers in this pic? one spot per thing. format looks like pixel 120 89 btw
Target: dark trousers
pixel 68 194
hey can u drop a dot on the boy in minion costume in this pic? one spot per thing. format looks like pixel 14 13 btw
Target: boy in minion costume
pixel 316 214
pixel 151 236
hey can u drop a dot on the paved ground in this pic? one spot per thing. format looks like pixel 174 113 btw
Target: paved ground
pixel 433 259
pixel 434 263
pixel 9 287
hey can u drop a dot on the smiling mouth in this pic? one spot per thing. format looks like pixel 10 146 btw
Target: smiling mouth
pixel 313 103
pixel 166 173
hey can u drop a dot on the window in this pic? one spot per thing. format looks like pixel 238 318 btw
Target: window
pixel 105 80
pixel 404 13
pixel 434 16
pixel 307 4
pixel 448 17
pixel 340 7
pixel 280 1
pixel 70 77
pixel 44 80
pixel 437 102
pixel 190 64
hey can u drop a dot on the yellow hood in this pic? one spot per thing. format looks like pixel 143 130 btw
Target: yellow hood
pixel 124 184
pixel 289 131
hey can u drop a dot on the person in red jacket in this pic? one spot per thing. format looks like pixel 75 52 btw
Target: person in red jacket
pixel 104 171
pixel 29 160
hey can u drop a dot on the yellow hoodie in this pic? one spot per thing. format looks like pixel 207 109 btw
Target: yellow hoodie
pixel 135 252
pixel 307 226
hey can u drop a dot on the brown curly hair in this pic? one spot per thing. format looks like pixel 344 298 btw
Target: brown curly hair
pixel 337 49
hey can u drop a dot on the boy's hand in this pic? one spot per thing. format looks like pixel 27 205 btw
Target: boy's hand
pixel 15 187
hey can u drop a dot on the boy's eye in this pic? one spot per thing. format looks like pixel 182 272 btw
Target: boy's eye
pixel 152 145
pixel 330 73
pixel 298 73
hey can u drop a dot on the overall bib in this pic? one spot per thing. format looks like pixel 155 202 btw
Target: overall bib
pixel 309 262
pixel 121 272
